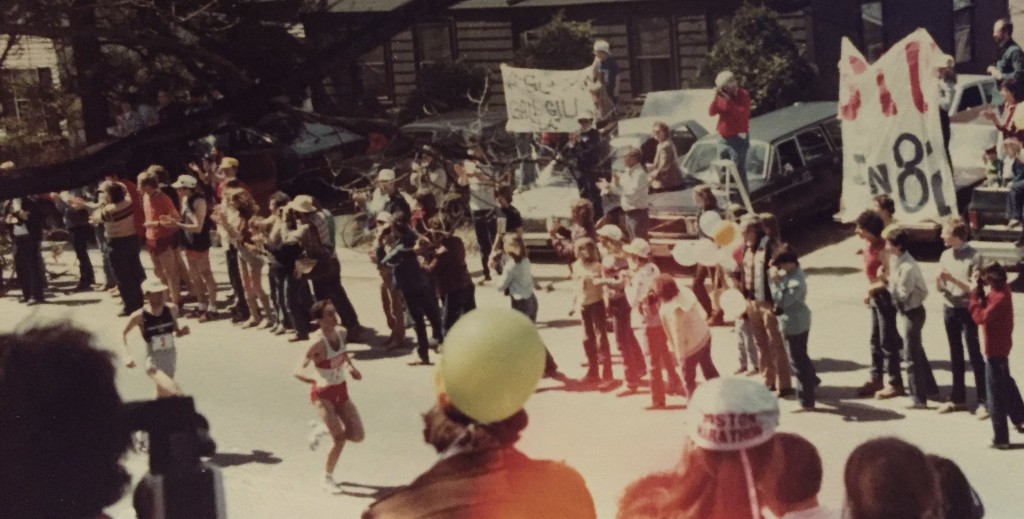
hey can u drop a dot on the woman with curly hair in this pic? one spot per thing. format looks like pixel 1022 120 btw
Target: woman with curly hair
pixel 250 259
pixel 583 226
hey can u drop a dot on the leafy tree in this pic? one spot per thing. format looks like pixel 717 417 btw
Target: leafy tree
pixel 764 57
pixel 559 45
pixel 446 86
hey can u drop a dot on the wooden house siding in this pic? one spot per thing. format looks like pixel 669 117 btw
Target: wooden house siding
pixel 403 64
pixel 487 44
pixel 692 37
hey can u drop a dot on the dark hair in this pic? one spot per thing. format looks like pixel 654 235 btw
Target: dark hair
pixel 148 178
pixel 1012 86
pixel 427 201
pixel 1007 25
pixel 959 500
pixel 958 227
pixel 280 199
pixel 62 426
pixel 785 254
pixel 400 220
pixel 799 470
pixel 770 226
pixel 871 222
pixel 995 275
pixel 116 191
pixel 665 286
pixel 505 192
pixel 886 202
pixel 705 193
pixel 887 478
pixel 898 237
pixel 316 312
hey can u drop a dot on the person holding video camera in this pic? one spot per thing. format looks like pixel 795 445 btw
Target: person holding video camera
pixel 732 106
pixel 158 322
pixel 328 387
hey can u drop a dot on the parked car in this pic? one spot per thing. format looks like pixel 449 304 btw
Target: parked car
pixel 684 111
pixel 990 234
pixel 794 168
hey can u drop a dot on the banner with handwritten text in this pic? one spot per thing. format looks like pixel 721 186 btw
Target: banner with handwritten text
pixel 547 100
pixel 892 138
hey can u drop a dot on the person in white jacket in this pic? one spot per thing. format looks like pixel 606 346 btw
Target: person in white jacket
pixel 687 330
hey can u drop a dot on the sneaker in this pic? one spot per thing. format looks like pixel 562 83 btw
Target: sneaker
pixel 890 392
pixel 740 371
pixel 317 431
pixel 330 486
pixel 951 407
pixel 982 414
pixel 870 388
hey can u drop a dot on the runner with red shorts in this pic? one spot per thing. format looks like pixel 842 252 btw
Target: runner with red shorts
pixel 329 390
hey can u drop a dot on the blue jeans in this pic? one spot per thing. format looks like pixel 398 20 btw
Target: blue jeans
pixel 298 300
pixel 919 370
pixel 885 341
pixel 960 326
pixel 486 226
pixel 1004 398
pixel 632 357
pixel 737 148
pixel 638 223
pixel 803 369
pixel 423 304
pixel 123 254
pixel 747 346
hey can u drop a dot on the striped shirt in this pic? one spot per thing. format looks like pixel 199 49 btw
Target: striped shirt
pixel 118 218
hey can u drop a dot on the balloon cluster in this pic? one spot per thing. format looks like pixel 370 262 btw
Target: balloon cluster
pixel 493 359
pixel 716 251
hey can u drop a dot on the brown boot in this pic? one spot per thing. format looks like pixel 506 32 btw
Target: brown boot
pixel 870 388
pixel 890 392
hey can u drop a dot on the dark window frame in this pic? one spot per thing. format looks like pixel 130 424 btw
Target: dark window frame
pixel 417 40
pixel 389 72
pixel 968 8
pixel 635 59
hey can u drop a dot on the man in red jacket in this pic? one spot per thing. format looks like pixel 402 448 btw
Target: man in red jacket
pixel 994 313
pixel 732 106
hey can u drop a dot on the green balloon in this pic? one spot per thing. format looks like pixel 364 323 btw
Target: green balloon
pixel 491 363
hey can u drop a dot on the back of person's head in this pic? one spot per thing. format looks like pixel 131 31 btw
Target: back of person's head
pixel 505 192
pixel 886 203
pixel 148 178
pixel 707 197
pixel 785 254
pixel 583 212
pixel 586 251
pixel 795 473
pixel 279 199
pixel 162 175
pixel 514 246
pixel 319 308
pixel 427 201
pixel 959 500
pixel 114 190
pixel 871 222
pixel 898 237
pixel 62 427
pixel 888 478
pixel 770 224
pixel 665 287
pixel 994 275
pixel 444 425
pixel 958 227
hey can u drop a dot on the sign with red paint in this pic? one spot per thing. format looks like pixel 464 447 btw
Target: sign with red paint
pixel 547 100
pixel 892 138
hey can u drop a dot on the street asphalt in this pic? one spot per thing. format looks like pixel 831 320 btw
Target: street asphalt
pixel 260 415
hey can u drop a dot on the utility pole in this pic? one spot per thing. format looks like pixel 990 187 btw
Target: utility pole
pixel 88 60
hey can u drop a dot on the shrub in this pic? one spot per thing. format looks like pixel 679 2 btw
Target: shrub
pixel 558 45
pixel 756 47
pixel 444 87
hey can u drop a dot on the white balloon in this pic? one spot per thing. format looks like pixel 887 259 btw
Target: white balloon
pixel 709 222
pixel 684 254
pixel 732 303
pixel 706 253
pixel 726 260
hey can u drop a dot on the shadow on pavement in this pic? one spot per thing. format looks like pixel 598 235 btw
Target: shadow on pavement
pixel 232 459
pixel 371 491
pixel 831 271
pixel 377 353
pixel 836 365
pixel 559 323
pixel 78 302
pixel 852 412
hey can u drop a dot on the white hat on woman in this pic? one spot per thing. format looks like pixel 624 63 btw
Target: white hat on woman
pixel 612 232
pixel 602 46
pixel 302 204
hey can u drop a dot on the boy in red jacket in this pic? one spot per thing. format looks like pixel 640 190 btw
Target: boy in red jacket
pixel 994 313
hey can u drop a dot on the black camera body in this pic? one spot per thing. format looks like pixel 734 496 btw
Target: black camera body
pixel 179 485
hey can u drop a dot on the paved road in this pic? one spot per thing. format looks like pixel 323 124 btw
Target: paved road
pixel 241 380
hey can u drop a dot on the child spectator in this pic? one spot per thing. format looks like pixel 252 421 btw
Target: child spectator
pixel 790 488
pixel 687 330
pixel 789 291
pixel 590 298
pixel 614 266
pixel 887 478
pixel 906 283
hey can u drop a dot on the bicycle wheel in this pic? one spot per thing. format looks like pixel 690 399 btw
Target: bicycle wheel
pixel 355 232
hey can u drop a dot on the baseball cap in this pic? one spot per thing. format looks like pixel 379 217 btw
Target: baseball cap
pixel 724 78
pixel 386 175
pixel 602 46
pixel 153 286
pixel 186 182
pixel 228 162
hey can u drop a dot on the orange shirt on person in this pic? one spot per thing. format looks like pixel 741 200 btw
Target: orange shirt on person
pixel 154 206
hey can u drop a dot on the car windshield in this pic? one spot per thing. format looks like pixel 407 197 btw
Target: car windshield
pixel 698 162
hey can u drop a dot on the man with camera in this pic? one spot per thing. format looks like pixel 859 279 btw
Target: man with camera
pixel 732 106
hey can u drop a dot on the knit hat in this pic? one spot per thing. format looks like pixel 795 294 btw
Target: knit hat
pixel 729 414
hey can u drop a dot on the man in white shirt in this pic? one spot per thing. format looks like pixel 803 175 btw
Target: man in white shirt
pixel 631 186
pixel 483 205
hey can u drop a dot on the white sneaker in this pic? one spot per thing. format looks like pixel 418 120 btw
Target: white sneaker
pixel 330 486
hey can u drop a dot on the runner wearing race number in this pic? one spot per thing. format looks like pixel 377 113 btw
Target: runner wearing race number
pixel 158 322
pixel 329 389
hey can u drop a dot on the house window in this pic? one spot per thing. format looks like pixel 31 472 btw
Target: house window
pixel 22 97
pixel 653 68
pixel 433 43
pixel 375 70
pixel 871 30
pixel 963 19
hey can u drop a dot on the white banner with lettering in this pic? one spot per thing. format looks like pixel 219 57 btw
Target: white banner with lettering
pixel 547 100
pixel 892 137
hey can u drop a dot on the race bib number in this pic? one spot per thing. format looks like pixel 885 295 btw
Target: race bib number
pixel 162 342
